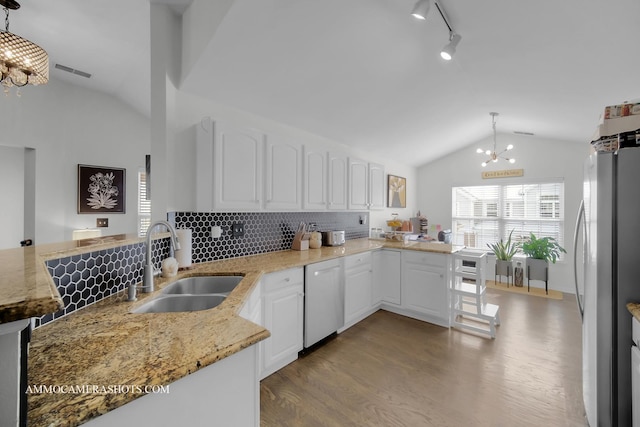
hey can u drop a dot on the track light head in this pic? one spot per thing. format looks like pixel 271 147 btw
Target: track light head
pixel 421 9
pixel 450 49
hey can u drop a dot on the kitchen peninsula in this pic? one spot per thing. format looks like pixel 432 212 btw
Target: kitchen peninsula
pixel 105 344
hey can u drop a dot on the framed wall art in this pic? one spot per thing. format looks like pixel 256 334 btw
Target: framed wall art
pixel 101 189
pixel 397 191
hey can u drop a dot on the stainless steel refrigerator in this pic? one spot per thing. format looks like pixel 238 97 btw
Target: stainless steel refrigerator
pixel 608 226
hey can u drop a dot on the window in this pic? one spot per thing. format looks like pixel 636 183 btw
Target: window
pixel 144 205
pixel 488 213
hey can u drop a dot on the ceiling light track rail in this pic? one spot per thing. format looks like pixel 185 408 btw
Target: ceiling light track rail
pixel 421 10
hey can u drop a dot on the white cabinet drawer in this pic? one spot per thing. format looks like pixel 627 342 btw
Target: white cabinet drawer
pixel 281 279
pixel 357 260
pixel 424 258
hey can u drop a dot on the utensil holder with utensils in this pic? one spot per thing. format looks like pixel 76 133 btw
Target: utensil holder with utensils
pixel 301 238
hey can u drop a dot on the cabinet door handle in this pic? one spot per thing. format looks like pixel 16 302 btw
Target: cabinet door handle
pixel 287 279
pixel 315 273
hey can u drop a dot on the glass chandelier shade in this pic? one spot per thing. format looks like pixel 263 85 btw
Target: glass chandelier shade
pixel 21 61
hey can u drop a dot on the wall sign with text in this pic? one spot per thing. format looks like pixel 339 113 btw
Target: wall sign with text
pixel 509 173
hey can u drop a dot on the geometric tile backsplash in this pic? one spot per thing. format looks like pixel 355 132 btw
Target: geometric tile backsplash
pixel 263 231
pixel 87 278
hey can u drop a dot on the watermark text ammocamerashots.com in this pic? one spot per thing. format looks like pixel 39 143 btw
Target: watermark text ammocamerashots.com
pixel 97 389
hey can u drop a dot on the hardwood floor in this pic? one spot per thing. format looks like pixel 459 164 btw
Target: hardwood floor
pixel 390 370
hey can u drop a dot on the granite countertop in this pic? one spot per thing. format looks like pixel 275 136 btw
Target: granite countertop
pixel 634 309
pixel 26 288
pixel 104 344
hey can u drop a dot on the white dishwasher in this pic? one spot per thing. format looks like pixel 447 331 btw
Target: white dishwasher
pixel 323 300
pixel 635 373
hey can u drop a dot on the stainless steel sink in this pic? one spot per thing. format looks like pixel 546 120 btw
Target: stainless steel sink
pixel 173 303
pixel 199 285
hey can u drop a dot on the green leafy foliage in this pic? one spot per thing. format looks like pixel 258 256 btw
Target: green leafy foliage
pixel 504 250
pixel 546 248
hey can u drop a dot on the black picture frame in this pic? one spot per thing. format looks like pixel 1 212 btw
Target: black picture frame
pixel 101 189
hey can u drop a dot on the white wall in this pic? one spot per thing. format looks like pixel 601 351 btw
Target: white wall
pixel 12 193
pixel 68 125
pixel 190 111
pixel 540 158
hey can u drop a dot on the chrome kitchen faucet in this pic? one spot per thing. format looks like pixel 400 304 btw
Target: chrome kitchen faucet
pixel 149 272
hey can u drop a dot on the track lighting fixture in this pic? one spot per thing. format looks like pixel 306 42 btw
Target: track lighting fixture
pixel 450 49
pixel 420 11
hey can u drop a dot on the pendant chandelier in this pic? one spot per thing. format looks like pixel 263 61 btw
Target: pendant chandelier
pixel 21 61
pixel 494 155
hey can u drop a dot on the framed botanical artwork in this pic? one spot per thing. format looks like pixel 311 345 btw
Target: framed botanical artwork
pixel 101 189
pixel 397 191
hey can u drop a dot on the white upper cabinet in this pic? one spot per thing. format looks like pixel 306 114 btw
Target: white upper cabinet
pixel 315 179
pixel 337 174
pixel 237 168
pixel 376 186
pixel 366 185
pixel 358 184
pixel 204 163
pixel 283 174
pixel 242 169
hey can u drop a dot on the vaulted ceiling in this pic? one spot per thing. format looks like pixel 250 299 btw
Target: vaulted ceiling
pixel 365 72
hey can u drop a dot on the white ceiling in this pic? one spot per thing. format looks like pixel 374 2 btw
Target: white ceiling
pixel 365 72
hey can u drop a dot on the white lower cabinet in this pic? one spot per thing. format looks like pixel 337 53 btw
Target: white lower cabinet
pixel 424 286
pixel 358 288
pixel 283 314
pixel 386 277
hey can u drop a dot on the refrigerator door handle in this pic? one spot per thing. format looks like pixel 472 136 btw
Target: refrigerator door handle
pixel 579 221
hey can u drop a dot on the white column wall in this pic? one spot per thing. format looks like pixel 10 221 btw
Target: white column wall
pixel 12 193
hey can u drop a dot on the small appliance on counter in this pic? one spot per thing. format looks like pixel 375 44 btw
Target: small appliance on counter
pixel 444 236
pixel 333 238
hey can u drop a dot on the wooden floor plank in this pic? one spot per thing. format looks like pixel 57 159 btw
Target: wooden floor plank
pixel 390 370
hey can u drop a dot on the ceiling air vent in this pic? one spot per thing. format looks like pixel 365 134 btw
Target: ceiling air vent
pixel 520 132
pixel 72 71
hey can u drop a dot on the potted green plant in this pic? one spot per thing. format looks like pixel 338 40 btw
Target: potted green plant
pixel 539 251
pixel 504 252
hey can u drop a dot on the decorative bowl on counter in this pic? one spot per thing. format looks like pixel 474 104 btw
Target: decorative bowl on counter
pixel 394 224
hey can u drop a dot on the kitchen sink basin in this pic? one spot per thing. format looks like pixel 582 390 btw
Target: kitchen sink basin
pixel 173 303
pixel 199 285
